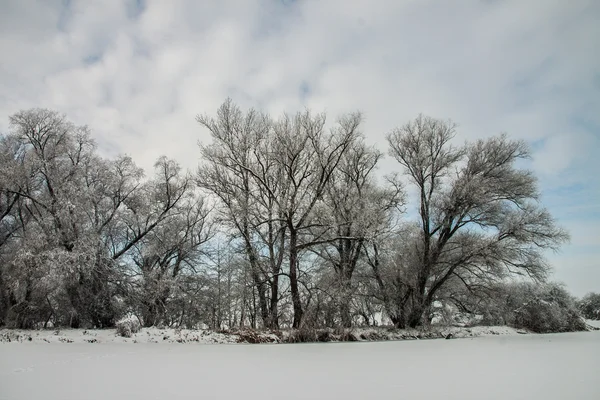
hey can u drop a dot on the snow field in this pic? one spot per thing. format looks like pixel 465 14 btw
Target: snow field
pixel 556 366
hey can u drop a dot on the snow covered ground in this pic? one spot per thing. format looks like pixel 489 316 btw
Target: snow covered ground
pixel 168 335
pixel 593 323
pixel 557 366
pixel 146 335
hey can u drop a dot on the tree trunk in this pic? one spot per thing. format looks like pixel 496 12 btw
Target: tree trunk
pixel 349 251
pixel 4 301
pixel 74 321
pixel 345 314
pixel 394 309
pixel 414 318
pixel 398 321
pixel 149 314
pixel 253 311
pixel 258 281
pixel 273 309
pixel 153 313
pixel 298 312
pixel 419 307
pixel 346 299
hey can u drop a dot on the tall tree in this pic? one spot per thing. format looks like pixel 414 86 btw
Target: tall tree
pixel 175 246
pixel 357 208
pixel 228 174
pixel 81 215
pixel 478 212
pixel 307 157
pixel 269 176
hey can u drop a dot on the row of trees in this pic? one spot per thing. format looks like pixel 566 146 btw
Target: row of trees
pixel 283 224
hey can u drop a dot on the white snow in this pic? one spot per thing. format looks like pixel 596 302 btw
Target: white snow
pixel 145 335
pixel 557 366
pixel 169 335
pixel 594 323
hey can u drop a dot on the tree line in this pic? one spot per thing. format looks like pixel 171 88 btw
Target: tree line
pixel 284 224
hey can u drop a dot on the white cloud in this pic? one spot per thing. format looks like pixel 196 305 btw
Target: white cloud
pixel 528 68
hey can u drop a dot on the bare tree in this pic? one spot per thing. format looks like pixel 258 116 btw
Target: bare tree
pixel 269 177
pixel 229 173
pixel 357 208
pixel 175 246
pixel 307 157
pixel 478 213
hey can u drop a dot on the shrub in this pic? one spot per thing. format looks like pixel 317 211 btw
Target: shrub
pixel 309 335
pixel 543 308
pixel 252 336
pixel 126 327
pixel 538 307
pixel 589 306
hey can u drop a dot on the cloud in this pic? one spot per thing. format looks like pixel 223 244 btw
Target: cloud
pixel 137 72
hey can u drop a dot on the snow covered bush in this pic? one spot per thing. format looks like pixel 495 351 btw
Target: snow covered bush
pixel 309 335
pixel 126 327
pixel 589 306
pixel 538 307
pixel 542 308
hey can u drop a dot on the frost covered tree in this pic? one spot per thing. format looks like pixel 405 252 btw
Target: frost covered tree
pixel 78 217
pixel 307 157
pixel 11 220
pixel 232 162
pixel 173 247
pixel 354 211
pixel 269 176
pixel 479 216
pixel 589 306
pixel 54 155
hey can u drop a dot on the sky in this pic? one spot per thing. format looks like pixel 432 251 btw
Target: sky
pixel 137 72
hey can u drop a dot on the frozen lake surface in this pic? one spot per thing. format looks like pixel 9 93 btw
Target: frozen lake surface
pixel 558 366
